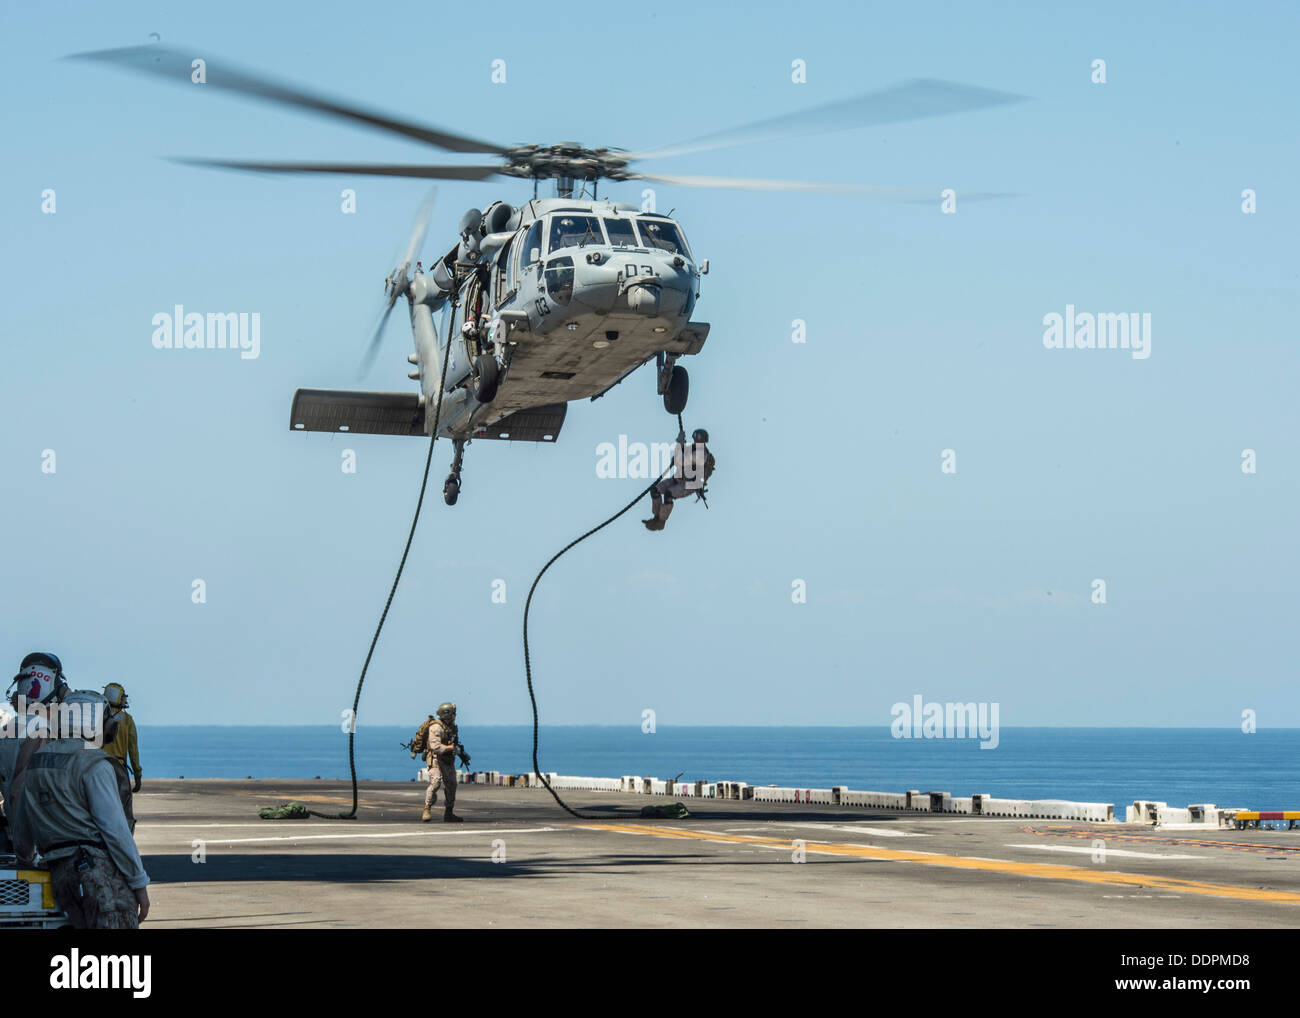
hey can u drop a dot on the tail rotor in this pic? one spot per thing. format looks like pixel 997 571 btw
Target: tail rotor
pixel 398 283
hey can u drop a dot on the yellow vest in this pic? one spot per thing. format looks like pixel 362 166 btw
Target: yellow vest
pixel 124 742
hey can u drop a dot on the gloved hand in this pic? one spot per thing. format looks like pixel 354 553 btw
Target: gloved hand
pixel 138 778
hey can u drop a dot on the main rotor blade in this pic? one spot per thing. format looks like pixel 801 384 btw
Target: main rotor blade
pixel 745 184
pixel 363 169
pixel 906 195
pixel 177 65
pixel 908 100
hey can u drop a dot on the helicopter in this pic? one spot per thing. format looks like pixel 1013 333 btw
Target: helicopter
pixel 556 300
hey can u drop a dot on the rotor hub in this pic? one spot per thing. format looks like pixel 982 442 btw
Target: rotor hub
pixel 565 159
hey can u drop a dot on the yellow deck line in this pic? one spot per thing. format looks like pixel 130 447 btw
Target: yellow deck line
pixel 1048 871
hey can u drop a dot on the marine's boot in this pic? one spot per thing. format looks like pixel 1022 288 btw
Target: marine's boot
pixel 448 817
pixel 427 815
pixel 656 503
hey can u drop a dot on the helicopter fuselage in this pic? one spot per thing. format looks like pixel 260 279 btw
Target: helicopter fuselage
pixel 569 298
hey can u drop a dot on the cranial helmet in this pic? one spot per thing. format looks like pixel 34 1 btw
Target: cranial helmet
pixel 85 713
pixel 445 710
pixel 115 694
pixel 40 678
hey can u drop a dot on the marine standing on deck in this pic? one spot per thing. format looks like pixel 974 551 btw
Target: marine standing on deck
pixel 66 807
pixel 441 747
pixel 124 744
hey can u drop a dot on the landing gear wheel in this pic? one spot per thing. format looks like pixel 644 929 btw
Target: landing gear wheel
pixel 485 389
pixel 679 385
pixel 451 490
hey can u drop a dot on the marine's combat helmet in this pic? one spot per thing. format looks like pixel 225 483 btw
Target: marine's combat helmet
pixel 446 710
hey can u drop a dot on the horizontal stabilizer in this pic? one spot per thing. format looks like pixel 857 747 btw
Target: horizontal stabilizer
pixel 357 413
pixel 536 424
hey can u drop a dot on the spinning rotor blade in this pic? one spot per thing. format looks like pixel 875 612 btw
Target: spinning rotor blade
pixel 741 183
pixel 908 195
pixel 421 227
pixel 364 169
pixel 398 280
pixel 372 349
pixel 177 65
pixel 909 100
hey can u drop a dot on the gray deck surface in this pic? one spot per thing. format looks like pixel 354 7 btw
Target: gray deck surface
pixel 730 864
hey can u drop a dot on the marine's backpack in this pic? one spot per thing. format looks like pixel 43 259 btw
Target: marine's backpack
pixel 420 740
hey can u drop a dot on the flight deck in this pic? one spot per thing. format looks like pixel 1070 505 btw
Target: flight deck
pixel 520 861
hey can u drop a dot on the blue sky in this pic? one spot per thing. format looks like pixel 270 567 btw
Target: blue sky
pixel 924 333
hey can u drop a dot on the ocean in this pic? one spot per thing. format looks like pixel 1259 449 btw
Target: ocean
pixel 1115 765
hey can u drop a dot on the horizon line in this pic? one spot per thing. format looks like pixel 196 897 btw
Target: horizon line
pixel 525 724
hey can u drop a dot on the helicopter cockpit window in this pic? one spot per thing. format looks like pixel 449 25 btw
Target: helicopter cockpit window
pixel 532 242
pixel 575 231
pixel 661 234
pixel 559 279
pixel 621 233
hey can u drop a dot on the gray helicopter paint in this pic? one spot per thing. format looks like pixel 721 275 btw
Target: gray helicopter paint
pixel 638 293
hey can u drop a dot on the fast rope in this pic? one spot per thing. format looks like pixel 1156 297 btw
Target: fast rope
pixel 528 668
pixel 356 700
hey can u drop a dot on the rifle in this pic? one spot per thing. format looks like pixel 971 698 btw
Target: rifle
pixel 460 750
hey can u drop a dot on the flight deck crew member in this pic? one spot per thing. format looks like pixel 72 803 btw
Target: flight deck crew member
pixel 66 806
pixel 694 466
pixel 124 744
pixel 39 685
pixel 440 759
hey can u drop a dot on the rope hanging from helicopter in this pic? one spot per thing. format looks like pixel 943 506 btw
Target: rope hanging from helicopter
pixel 528 668
pixel 424 484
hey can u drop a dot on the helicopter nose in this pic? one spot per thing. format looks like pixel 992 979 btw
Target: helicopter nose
pixel 663 290
pixel 640 283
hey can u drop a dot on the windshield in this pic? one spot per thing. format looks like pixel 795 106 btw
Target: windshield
pixel 661 234
pixel 575 231
pixel 621 233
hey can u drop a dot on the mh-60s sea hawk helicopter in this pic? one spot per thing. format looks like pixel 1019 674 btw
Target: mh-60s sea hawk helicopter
pixel 557 300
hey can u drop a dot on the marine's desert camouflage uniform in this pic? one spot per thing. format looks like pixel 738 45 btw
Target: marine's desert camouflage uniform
pixel 97 898
pixel 440 758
